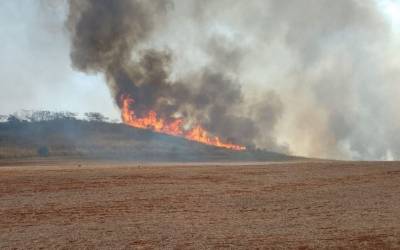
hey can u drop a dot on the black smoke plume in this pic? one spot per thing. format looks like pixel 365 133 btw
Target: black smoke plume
pixel 113 38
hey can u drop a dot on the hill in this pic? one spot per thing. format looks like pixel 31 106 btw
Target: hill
pixel 101 140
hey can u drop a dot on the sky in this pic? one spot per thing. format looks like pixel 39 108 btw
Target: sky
pixel 35 66
pixel 338 82
pixel 391 9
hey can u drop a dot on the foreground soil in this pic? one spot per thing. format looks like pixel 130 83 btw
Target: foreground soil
pixel 283 205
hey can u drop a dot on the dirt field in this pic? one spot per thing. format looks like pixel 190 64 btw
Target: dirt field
pixel 285 205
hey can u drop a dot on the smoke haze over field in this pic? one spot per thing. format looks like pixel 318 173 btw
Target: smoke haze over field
pixel 310 77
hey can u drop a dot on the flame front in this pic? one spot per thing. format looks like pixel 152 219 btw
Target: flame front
pixel 171 127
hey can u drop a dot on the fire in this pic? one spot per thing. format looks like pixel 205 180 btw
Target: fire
pixel 171 127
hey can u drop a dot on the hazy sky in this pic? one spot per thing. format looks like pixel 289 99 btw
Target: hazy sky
pixel 35 66
pixel 338 81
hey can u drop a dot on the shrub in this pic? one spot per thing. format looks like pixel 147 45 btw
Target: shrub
pixel 95 117
pixel 43 151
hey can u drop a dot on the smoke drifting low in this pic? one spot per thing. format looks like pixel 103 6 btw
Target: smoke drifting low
pixel 310 77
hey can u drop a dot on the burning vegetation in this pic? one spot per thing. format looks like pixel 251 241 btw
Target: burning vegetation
pixel 65 134
pixel 173 126
pixel 207 105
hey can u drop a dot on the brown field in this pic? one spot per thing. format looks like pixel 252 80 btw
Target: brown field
pixel 119 205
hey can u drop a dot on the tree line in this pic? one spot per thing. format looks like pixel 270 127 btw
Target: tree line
pixel 45 115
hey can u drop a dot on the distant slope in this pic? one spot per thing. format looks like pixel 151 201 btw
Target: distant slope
pixel 76 138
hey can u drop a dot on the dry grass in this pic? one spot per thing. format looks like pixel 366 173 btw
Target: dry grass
pixel 111 141
pixel 286 205
pixel 9 151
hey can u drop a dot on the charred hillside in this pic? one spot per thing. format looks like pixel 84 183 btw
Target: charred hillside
pixel 102 140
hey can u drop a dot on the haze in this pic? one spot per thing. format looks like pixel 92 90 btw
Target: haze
pixel 317 78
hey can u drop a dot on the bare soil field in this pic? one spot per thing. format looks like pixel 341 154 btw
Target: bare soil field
pixel 304 205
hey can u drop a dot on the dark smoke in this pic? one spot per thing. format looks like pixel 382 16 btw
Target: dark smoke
pixel 112 37
pixel 313 77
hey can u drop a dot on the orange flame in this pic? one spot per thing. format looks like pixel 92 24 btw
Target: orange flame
pixel 173 127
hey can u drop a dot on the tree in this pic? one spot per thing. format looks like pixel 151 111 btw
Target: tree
pixel 95 117
pixel 43 151
pixel 69 115
pixel 38 116
pixel 65 115
pixel 13 119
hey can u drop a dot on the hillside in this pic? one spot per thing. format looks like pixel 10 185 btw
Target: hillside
pixel 76 138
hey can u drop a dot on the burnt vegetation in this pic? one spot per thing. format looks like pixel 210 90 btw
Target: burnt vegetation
pixel 66 134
